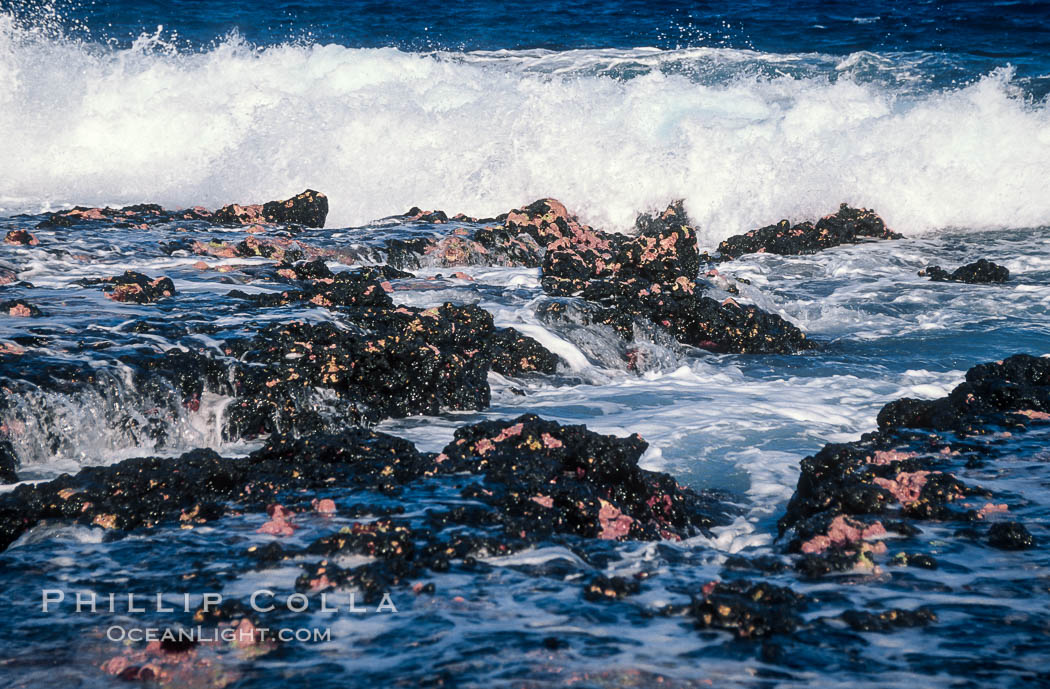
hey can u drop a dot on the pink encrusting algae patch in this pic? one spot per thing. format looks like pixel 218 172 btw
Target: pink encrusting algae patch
pixel 279 524
pixel 550 442
pixel 843 531
pixel 509 432
pixel 907 486
pixel 323 506
pixel 884 457
pixel 614 523
pixel 544 500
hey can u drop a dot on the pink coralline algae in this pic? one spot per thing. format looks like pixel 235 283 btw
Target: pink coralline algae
pixel 884 457
pixel 544 500
pixel 614 524
pixel 324 506
pixel 550 442
pixel 843 531
pixel 991 508
pixel 509 432
pixel 906 487
pixel 279 524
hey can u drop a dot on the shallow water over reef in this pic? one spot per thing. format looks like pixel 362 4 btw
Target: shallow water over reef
pixel 734 425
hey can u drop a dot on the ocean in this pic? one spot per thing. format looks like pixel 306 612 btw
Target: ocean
pixel 932 114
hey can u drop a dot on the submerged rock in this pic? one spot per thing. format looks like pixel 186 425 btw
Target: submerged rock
pixel 20 238
pixel 1010 536
pixel 849 495
pixel 846 226
pixel 888 620
pixel 747 610
pixel 20 308
pixel 133 287
pixel 602 587
pixel 981 271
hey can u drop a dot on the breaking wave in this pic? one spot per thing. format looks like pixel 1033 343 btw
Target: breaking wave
pixel 744 137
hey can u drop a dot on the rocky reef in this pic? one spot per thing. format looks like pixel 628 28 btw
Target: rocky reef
pixel 846 226
pixel 981 271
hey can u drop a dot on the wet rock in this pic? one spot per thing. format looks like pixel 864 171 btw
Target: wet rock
pixel 653 277
pixel 134 287
pixel 20 238
pixel 235 214
pixel 846 226
pixel 514 354
pixel 543 477
pixel 309 209
pixel 602 587
pixel 129 216
pixel 920 560
pixel 1010 536
pixel 8 462
pixel 417 214
pixel 372 580
pixel 20 308
pixel 373 460
pixel 747 610
pixel 663 251
pixel 981 271
pixel 546 221
pixel 1005 393
pixel 888 620
pixel 766 564
pixel 197 486
pixel 356 288
pixel 505 248
pixel 902 471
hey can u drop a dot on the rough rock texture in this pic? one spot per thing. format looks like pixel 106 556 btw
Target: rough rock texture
pixel 849 495
pixel 514 354
pixel 1010 536
pixel 747 610
pixel 196 487
pixel 309 209
pixel 397 361
pixel 20 308
pixel 20 237
pixel 8 462
pixel 652 277
pixel 663 251
pixel 544 477
pixel 846 226
pixel 981 271
pixel 134 287
pixel 1009 392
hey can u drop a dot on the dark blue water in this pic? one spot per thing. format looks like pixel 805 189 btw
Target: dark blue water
pixel 1014 31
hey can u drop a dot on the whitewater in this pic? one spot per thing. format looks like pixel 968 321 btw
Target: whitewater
pixel 743 137
pixel 951 150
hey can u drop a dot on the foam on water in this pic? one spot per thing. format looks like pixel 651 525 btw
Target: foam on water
pixel 608 132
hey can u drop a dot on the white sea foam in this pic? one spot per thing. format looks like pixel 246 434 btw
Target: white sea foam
pixel 382 130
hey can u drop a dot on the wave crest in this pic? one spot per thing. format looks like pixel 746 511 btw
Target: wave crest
pixel 380 130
